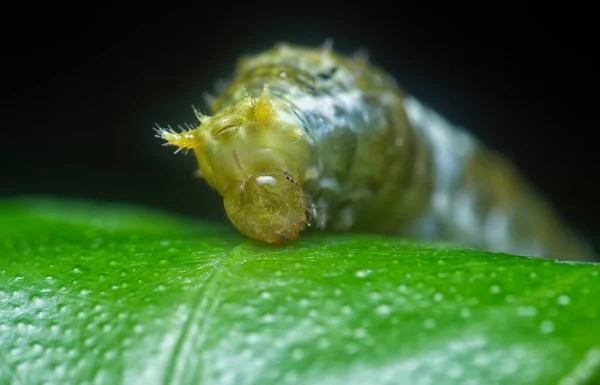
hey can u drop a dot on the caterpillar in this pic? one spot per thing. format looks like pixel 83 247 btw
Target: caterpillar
pixel 304 136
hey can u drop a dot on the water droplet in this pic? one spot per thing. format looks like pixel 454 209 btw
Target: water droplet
pixel 23 367
pixel 163 262
pixel 165 243
pixel 346 309
pixel 82 315
pixel 76 270
pixel 248 309
pixel 563 300
pixel 85 292
pixel 337 292
pixel 266 295
pixel 438 297
pixel 375 296
pixel 402 289
pixel 112 263
pixel 269 318
pixel 290 377
pixel 38 302
pixel 429 323
pixel 303 302
pixel 60 370
pixel 297 354
pixel 63 309
pixel 138 328
pixel 495 289
pixel 110 354
pixel 455 371
pixel 383 310
pixel 465 312
pixel 253 338
pixel 72 353
pixel 547 327
pixel 351 348
pixel 360 333
pixel 509 367
pixel 526 311
pixel 509 298
pixel 160 288
pixel 482 359
pixel 363 273
pixel 532 275
pixel 323 343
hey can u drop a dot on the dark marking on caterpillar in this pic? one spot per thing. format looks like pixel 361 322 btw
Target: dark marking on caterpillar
pixel 328 74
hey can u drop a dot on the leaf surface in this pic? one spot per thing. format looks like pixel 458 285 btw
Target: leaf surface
pixel 106 294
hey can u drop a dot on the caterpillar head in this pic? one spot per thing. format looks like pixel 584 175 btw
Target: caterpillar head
pixel 254 153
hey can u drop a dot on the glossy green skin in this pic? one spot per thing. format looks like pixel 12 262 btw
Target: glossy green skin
pixel 94 294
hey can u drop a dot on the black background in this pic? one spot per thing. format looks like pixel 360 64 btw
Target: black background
pixel 84 85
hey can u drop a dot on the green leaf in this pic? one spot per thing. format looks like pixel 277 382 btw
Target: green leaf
pixel 101 294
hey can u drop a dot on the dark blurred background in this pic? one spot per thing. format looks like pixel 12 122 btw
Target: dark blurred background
pixel 84 84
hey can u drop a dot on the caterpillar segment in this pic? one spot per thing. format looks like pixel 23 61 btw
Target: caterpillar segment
pixel 304 136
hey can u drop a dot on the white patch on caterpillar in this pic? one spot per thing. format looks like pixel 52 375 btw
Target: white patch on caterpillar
pixel 326 106
pixel 465 218
pixel 451 147
pixel 497 229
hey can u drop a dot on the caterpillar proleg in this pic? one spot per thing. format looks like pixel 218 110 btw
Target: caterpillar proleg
pixel 306 136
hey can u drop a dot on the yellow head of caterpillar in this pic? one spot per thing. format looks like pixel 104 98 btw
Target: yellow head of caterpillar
pixel 238 150
pixel 270 206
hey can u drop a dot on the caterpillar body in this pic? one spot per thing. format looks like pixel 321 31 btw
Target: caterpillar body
pixel 308 137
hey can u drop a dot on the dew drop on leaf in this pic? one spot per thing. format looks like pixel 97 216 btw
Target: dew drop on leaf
pixel 547 327
pixel 563 300
pixel 363 273
pixel 429 323
pixel 383 310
